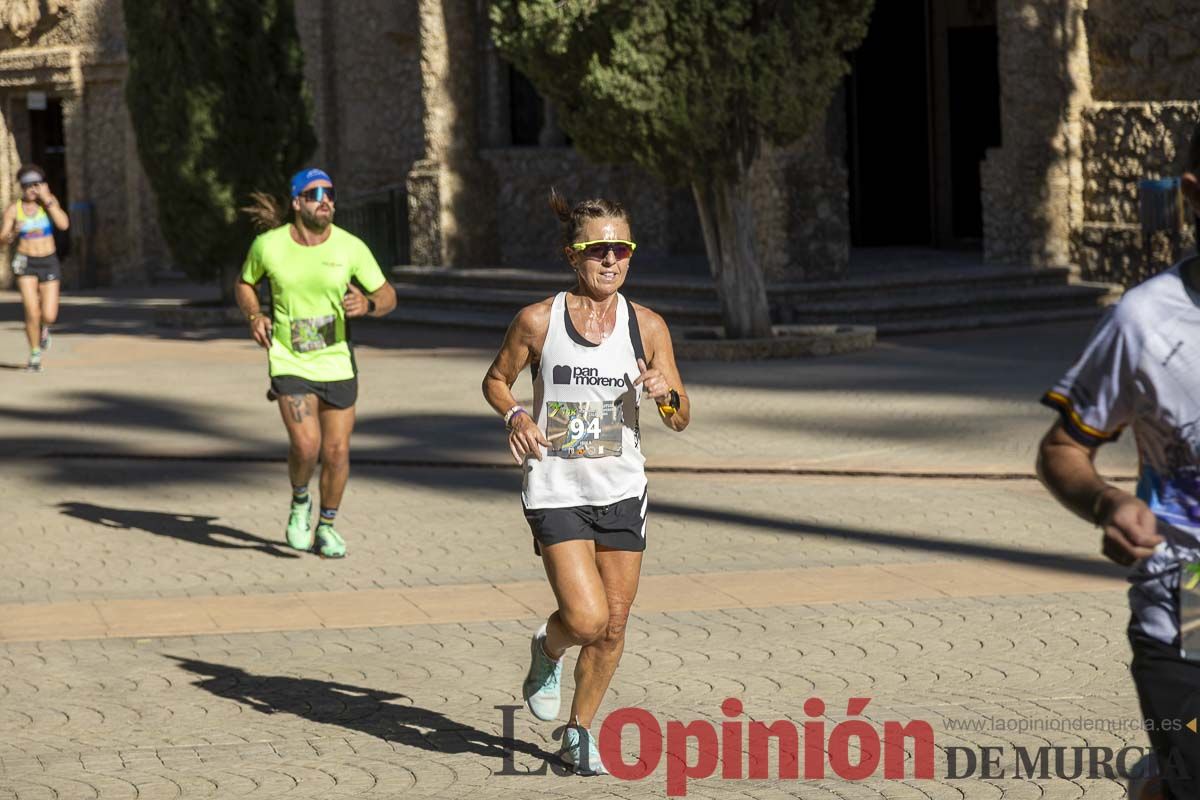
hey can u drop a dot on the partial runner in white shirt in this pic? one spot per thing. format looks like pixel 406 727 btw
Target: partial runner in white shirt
pixel 1141 370
pixel 592 354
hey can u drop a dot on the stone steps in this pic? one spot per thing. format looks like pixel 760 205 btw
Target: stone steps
pixel 894 303
pixel 664 286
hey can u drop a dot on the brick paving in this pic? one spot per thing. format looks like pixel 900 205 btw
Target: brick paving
pixel 405 707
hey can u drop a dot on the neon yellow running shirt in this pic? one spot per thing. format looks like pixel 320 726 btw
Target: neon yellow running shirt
pixel 307 284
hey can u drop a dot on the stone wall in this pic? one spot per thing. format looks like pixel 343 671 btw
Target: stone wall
pixel 532 235
pixel 1033 183
pixel 1125 143
pixel 106 128
pixel 802 207
pixel 363 67
pixel 1144 50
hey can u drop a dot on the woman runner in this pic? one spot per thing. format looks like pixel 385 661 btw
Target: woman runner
pixel 31 222
pixel 592 353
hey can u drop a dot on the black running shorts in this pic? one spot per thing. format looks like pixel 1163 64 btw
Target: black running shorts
pixel 44 268
pixel 620 526
pixel 339 394
pixel 1168 687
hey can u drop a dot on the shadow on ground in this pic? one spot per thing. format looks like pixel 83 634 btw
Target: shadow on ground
pixel 386 715
pixel 1061 562
pixel 186 527
pixel 99 315
pixel 506 482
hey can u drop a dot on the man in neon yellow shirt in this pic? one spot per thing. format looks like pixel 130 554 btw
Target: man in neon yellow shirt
pixel 310 263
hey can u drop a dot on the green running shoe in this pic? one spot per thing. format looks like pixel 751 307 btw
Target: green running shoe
pixel 581 752
pixel 299 532
pixel 330 544
pixel 541 687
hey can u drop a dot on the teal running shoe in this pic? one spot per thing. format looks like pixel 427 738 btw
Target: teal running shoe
pixel 299 530
pixel 330 544
pixel 581 753
pixel 541 687
pixel 44 339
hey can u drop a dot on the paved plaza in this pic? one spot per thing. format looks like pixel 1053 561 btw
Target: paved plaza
pixel 864 526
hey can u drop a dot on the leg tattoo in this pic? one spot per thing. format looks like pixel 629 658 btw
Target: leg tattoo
pixel 297 407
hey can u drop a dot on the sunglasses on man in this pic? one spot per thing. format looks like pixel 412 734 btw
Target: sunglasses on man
pixel 598 248
pixel 318 193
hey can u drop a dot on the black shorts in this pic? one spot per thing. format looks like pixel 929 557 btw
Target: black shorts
pixel 621 526
pixel 44 268
pixel 1168 688
pixel 339 394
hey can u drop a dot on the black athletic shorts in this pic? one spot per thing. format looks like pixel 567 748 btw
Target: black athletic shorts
pixel 44 268
pixel 1168 688
pixel 339 394
pixel 621 526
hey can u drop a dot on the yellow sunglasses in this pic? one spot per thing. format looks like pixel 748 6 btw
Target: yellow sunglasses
pixel 598 248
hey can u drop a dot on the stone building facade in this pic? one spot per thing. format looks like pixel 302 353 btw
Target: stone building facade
pixel 62 71
pixel 1096 95
pixel 1093 95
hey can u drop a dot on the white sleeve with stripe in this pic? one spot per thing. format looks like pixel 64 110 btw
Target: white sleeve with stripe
pixel 1095 396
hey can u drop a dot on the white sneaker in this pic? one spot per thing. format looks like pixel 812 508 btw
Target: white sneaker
pixel 541 688
pixel 581 753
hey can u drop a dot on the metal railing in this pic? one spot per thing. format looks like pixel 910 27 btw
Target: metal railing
pixel 381 220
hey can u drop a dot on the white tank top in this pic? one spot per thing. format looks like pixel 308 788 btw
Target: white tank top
pixel 586 404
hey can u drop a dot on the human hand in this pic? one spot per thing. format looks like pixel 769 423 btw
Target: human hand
pixel 526 438
pixel 260 330
pixel 654 383
pixel 355 302
pixel 1130 527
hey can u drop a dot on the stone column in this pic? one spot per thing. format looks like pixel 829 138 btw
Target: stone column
pixel 1033 184
pixel 451 184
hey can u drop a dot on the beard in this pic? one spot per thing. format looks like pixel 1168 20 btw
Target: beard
pixel 313 221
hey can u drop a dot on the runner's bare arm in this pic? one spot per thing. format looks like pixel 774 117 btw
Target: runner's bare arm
pixel 661 374
pixel 1067 468
pixel 246 297
pixel 53 208
pixel 8 229
pixel 247 300
pixel 384 299
pixel 521 347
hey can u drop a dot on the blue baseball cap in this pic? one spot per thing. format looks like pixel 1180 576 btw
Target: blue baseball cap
pixel 306 176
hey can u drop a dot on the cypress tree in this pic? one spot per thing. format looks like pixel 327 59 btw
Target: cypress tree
pixel 689 90
pixel 217 96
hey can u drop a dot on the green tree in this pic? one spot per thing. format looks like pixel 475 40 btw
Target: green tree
pixel 689 90
pixel 217 96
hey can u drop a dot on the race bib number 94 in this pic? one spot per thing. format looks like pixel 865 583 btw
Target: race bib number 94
pixel 584 430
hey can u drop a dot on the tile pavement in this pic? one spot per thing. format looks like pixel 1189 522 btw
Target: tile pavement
pixel 1023 623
